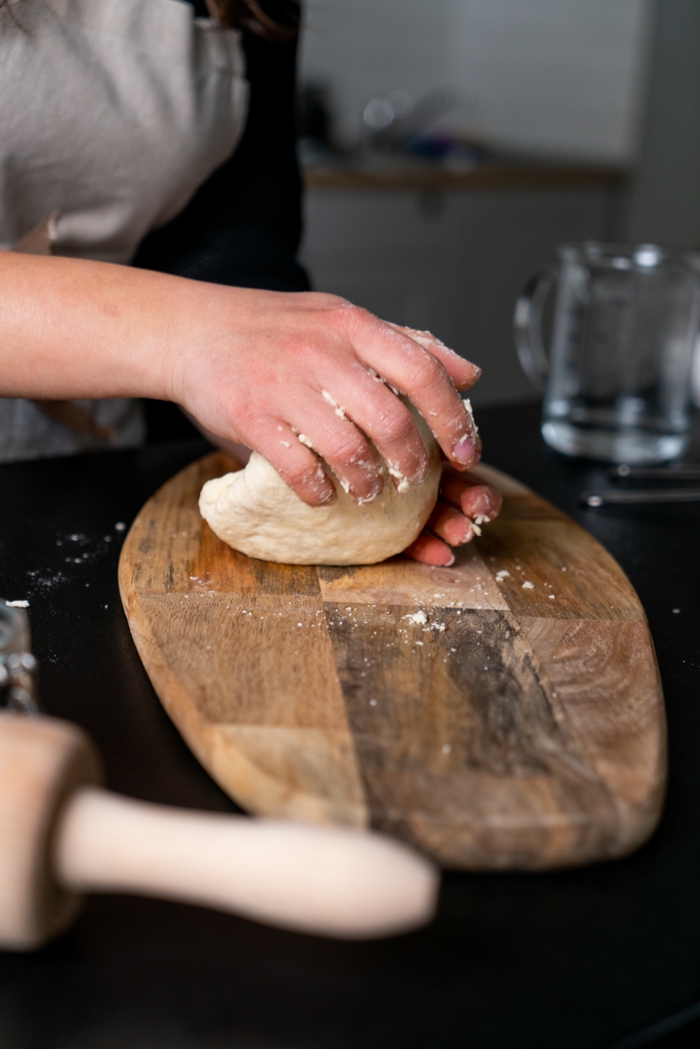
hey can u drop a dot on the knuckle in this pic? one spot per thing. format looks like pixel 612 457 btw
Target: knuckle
pixel 349 448
pixel 337 302
pixel 427 372
pixel 355 316
pixel 397 427
pixel 302 472
pixel 319 300
pixel 328 299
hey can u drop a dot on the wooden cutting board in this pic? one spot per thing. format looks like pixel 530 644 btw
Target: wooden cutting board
pixel 505 713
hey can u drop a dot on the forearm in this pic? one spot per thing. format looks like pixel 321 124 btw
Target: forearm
pixel 280 372
pixel 71 328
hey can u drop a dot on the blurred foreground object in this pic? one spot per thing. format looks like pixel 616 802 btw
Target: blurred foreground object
pixel 61 835
pixel 17 664
pixel 617 377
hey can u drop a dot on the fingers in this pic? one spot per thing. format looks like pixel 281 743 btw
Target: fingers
pixel 463 496
pixel 416 371
pixel 358 398
pixel 430 551
pixel 471 495
pixel 449 524
pixel 346 450
pixel 462 372
pixel 295 463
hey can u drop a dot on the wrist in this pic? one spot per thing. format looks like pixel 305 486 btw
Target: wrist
pixel 72 329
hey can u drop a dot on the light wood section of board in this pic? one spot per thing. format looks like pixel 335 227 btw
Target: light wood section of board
pixel 515 722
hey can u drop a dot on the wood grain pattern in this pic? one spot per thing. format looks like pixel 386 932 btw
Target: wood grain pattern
pixel 516 727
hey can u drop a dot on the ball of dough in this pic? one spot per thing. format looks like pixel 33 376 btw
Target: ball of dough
pixel 254 511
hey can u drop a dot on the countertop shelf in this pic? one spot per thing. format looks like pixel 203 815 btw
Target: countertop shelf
pixel 433 177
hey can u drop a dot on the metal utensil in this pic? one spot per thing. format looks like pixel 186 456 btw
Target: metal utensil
pixel 639 497
pixel 655 473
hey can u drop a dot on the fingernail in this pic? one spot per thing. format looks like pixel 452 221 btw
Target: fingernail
pixel 360 500
pixel 483 505
pixel 459 534
pixel 463 451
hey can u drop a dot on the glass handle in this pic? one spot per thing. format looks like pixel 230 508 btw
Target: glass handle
pixel 695 377
pixel 527 325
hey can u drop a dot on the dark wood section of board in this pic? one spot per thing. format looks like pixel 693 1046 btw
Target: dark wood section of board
pixel 505 713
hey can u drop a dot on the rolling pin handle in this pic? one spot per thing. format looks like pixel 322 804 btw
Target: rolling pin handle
pixel 333 881
pixel 62 835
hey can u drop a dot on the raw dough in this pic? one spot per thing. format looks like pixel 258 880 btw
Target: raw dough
pixel 254 511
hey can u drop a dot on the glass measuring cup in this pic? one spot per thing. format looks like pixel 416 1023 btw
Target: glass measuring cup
pixel 617 376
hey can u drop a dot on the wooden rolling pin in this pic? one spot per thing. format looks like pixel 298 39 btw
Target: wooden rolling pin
pixel 61 834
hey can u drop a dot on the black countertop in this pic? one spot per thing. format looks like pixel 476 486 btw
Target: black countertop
pixel 577 959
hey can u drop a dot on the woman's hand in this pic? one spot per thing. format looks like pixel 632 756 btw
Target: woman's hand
pixel 288 374
pixel 464 501
pixel 298 374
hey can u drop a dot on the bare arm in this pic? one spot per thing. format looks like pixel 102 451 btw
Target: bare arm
pixel 253 366
pixel 278 372
pixel 71 329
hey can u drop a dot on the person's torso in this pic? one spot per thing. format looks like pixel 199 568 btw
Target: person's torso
pixel 112 113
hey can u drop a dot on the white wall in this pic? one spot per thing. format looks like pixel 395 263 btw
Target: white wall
pixel 554 77
pixel 455 267
pixel 664 202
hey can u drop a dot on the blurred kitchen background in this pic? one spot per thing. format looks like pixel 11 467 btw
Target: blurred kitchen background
pixel 449 145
